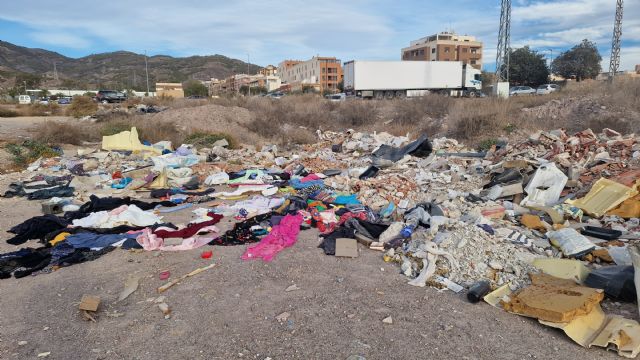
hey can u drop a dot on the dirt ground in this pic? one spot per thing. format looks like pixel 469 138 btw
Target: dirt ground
pixel 229 312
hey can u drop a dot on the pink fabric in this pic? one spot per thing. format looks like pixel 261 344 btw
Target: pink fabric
pixel 119 210
pixel 149 241
pixel 310 177
pixel 282 236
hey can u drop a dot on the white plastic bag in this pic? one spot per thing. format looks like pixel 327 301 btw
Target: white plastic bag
pixel 571 242
pixel 545 187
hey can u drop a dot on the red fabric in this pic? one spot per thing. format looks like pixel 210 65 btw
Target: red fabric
pixel 190 230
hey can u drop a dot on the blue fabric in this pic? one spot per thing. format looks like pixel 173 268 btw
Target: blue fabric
pixel 297 184
pixel 91 240
pixel 122 183
pixel 346 200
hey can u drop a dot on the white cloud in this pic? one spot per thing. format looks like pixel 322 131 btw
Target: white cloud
pixel 272 30
pixel 61 39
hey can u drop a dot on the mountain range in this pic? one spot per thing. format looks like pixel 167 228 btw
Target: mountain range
pixel 120 69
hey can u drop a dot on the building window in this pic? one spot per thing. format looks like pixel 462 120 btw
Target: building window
pixel 474 51
pixel 433 51
pixel 473 62
pixel 447 49
pixel 422 52
pixel 464 50
pixel 324 70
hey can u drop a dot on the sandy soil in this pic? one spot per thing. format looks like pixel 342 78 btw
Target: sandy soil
pixel 18 127
pixel 229 312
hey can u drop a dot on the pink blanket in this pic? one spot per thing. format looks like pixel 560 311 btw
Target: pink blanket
pixel 151 241
pixel 282 236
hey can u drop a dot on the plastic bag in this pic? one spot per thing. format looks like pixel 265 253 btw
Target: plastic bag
pixel 616 281
pixel 571 242
pixel 545 187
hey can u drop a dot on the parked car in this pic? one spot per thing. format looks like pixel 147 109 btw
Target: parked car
pixel 44 101
pixel 110 96
pixel 336 97
pixel 64 101
pixel 547 89
pixel 521 90
pixel 275 95
pixel 24 99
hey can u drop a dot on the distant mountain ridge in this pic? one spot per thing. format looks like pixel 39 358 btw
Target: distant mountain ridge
pixel 119 69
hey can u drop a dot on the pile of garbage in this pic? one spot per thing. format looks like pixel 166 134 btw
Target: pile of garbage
pixel 447 215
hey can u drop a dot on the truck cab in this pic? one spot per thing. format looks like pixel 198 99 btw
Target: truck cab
pixel 472 80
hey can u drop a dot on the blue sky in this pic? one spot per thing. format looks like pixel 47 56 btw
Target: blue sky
pixel 271 31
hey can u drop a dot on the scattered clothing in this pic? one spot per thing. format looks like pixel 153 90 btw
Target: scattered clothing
pixel 36 228
pixel 282 236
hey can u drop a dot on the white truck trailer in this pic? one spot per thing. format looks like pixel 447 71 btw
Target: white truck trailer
pixel 389 79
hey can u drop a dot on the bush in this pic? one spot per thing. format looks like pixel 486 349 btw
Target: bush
pixel 207 139
pixel 357 113
pixel 54 133
pixel 82 106
pixel 112 128
pixel 30 151
pixel 473 118
pixel 8 113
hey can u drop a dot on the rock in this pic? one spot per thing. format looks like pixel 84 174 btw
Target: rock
pixel 387 320
pixel 22 343
pixel 495 265
pixel 283 317
pixel 293 287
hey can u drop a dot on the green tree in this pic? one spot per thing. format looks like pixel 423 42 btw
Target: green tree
pixel 581 62
pixel 43 93
pixel 527 67
pixel 32 81
pixel 195 88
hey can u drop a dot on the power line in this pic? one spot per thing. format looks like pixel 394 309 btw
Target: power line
pixel 504 42
pixel 614 62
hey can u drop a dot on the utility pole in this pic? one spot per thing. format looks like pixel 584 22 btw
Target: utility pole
pixel 614 62
pixel 504 43
pixel 249 77
pixel 25 88
pixel 550 58
pixel 55 72
pixel 146 70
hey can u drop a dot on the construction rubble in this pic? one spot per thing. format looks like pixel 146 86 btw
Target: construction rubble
pixel 545 227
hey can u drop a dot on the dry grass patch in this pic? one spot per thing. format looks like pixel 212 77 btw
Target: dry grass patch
pixel 82 106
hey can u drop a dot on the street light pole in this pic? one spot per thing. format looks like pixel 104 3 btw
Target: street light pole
pixel 146 70
pixel 25 88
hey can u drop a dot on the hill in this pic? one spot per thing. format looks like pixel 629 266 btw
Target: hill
pixel 118 69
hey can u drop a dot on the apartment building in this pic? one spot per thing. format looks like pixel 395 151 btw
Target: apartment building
pixel 445 46
pixel 173 90
pixel 320 72
pixel 268 70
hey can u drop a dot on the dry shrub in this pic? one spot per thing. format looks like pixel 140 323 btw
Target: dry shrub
pixel 415 110
pixel 8 113
pixel 614 122
pixel 201 138
pixel 159 101
pixel 55 133
pixel 38 109
pixel 297 135
pixel 357 113
pixel 160 131
pixel 273 117
pixel 475 118
pixel 82 106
